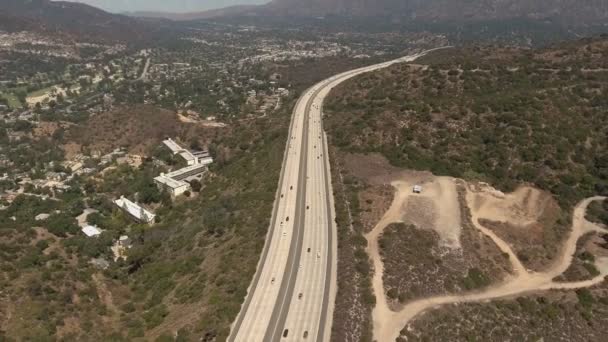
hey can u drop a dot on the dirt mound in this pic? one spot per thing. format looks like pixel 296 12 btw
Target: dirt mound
pixel 527 219
pixel 522 207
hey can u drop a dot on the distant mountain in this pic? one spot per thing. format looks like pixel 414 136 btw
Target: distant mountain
pixel 569 10
pixel 164 6
pixel 221 12
pixel 73 20
pixel 577 12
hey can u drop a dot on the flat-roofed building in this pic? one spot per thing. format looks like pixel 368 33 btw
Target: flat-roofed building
pixel 176 182
pixel 91 231
pixel 172 145
pixel 177 149
pixel 136 211
pixel 203 157
pixel 174 187
pixel 188 172
pixel 188 157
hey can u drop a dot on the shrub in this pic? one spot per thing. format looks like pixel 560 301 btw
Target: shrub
pixel 62 224
pixel 585 298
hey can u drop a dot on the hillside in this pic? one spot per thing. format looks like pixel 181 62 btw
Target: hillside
pixel 185 276
pixel 221 12
pixel 574 12
pixel 571 10
pixel 515 139
pixel 139 128
pixel 70 20
pixel 501 115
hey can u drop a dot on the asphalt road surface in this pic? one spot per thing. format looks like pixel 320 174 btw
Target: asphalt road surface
pixel 292 295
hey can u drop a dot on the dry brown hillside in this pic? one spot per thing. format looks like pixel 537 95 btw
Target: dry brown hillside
pixel 137 128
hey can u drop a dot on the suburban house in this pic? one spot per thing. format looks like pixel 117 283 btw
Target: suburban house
pixel 91 231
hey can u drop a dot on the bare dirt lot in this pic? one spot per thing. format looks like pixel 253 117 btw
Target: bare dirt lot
pixel 419 263
pixel 441 210
pixel 528 219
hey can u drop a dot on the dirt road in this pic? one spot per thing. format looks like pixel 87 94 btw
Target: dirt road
pixel 388 324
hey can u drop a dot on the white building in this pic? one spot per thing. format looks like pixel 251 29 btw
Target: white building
pixel 73 165
pixel 188 173
pixel 176 182
pixel 203 157
pixel 174 187
pixel 136 211
pixel 41 217
pixel 184 153
pixel 124 241
pixel 91 231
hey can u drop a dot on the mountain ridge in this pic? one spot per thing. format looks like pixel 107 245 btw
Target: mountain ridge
pixel 573 12
pixel 70 20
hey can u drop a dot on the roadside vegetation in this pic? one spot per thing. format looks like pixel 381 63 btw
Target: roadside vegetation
pixel 355 298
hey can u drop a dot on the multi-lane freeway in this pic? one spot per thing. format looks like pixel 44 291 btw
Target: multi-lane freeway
pixel 291 297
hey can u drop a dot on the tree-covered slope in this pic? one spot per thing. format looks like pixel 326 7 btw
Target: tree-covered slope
pixel 502 115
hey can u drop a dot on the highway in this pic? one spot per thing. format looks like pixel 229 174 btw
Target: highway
pixel 292 295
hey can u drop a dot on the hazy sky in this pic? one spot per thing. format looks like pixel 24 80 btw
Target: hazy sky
pixel 165 5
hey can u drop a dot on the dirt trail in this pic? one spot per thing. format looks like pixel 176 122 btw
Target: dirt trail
pixel 388 323
pixel 479 211
pixel 82 218
pixel 442 188
pixel 382 314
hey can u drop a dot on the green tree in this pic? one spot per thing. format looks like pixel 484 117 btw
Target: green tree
pixel 196 185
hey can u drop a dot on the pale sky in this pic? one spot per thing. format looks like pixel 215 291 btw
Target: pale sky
pixel 175 6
